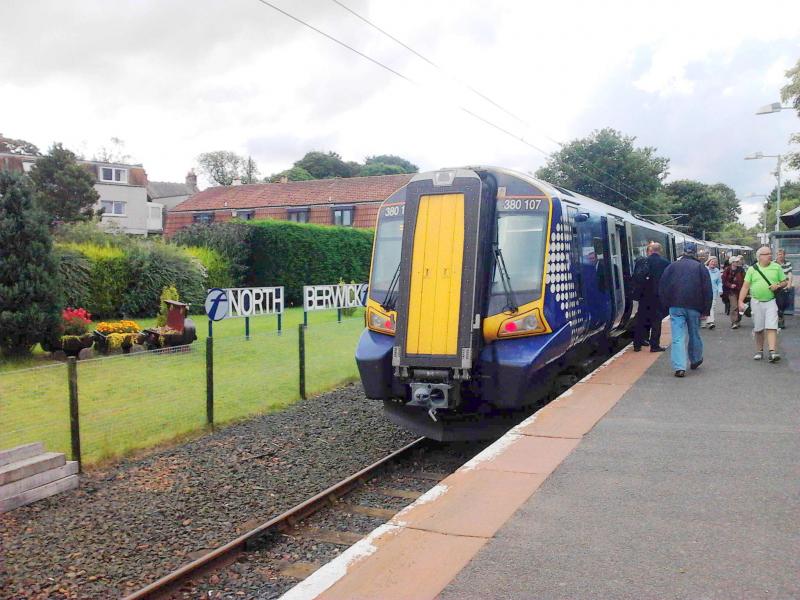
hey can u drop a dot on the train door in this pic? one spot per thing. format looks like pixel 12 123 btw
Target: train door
pixel 625 245
pixel 615 267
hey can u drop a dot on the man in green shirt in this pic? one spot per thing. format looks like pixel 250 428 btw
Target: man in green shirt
pixel 762 281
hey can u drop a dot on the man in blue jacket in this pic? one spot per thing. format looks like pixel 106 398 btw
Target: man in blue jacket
pixel 685 289
pixel 647 274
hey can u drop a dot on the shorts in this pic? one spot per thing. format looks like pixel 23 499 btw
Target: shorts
pixel 765 314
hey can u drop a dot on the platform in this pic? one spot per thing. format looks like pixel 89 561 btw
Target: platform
pixel 633 484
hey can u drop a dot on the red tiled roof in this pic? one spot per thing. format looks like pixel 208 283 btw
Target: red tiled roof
pixel 296 193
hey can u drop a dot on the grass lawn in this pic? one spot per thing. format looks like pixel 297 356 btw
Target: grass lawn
pixel 135 401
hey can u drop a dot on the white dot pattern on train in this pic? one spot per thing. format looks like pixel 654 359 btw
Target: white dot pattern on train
pixel 561 281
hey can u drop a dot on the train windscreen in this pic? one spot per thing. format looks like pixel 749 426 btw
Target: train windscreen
pixel 388 244
pixel 521 233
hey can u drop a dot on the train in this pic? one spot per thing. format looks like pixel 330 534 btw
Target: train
pixel 487 288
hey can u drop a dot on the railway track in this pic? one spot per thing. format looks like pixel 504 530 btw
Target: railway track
pixel 284 550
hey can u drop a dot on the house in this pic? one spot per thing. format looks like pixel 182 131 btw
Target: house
pixel 122 189
pixel 171 194
pixel 350 202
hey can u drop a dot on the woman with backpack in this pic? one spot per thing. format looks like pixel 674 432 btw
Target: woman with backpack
pixel 732 281
pixel 712 264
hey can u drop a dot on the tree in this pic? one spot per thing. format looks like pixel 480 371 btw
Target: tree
pixel 64 189
pixel 113 153
pixel 221 166
pixel 735 232
pixel 791 93
pixel 323 165
pixel 393 160
pixel 29 285
pixel 704 204
pixel 371 169
pixel 250 171
pixel 728 200
pixel 12 146
pixel 293 174
pixel 607 167
pixel 790 197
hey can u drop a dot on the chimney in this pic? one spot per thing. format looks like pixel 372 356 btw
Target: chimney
pixel 236 181
pixel 284 179
pixel 191 180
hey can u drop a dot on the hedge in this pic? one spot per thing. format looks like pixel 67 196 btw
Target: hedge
pixel 127 280
pixel 270 252
pixel 294 255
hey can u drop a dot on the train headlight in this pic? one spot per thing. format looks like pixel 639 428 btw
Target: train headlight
pixel 526 324
pixel 380 322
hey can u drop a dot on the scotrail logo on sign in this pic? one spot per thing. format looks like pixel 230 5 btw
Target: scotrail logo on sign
pixel 324 297
pixel 217 304
pixel 231 303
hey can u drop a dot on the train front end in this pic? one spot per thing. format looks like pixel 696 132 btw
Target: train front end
pixel 457 270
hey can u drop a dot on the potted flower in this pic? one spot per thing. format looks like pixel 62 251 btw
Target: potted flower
pixel 116 335
pixel 74 332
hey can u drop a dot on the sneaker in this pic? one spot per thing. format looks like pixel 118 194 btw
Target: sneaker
pixel 694 365
pixel 758 356
pixel 711 325
pixel 657 349
pixel 735 326
pixel 774 356
pixel 680 373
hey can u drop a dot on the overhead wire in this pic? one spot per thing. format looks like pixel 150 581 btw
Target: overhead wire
pixel 476 91
pixel 413 82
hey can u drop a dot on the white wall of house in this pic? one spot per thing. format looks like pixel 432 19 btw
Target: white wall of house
pixel 130 209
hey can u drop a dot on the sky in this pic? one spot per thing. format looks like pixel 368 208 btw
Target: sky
pixel 174 78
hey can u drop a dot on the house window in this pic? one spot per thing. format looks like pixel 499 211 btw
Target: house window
pixel 27 166
pixel 245 215
pixel 343 216
pixel 114 174
pixel 299 216
pixel 114 208
pixel 203 218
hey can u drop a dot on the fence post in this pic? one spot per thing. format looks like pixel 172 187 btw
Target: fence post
pixel 302 346
pixel 210 381
pixel 74 418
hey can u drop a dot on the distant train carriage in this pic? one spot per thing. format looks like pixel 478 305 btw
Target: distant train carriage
pixel 486 286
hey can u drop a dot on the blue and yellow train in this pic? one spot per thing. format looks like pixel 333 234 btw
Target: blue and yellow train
pixel 486 286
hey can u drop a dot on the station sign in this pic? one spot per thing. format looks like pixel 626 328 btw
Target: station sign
pixel 232 303
pixel 326 297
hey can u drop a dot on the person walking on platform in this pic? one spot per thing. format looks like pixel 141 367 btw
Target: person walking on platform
pixel 646 276
pixel 732 280
pixel 712 264
pixel 685 289
pixel 783 298
pixel 763 281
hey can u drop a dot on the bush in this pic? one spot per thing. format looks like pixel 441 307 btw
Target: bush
pixel 168 293
pixel 231 240
pixel 29 288
pixel 218 267
pixel 294 255
pixel 75 274
pixel 127 280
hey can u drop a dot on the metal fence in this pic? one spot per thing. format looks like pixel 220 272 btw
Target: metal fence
pixel 133 401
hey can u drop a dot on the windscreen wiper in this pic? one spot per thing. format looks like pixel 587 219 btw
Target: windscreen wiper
pixel 390 299
pixel 511 304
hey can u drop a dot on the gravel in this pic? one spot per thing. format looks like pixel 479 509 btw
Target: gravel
pixel 132 523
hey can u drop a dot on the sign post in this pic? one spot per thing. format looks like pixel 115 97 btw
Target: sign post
pixel 338 296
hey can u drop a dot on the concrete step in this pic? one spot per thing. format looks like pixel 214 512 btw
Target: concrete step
pixel 37 493
pixel 30 466
pixel 23 485
pixel 20 453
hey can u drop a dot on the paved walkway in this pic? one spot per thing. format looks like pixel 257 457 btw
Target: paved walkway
pixel 633 484
pixel 686 489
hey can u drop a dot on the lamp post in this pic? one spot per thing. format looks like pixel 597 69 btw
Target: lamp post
pixel 758 155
